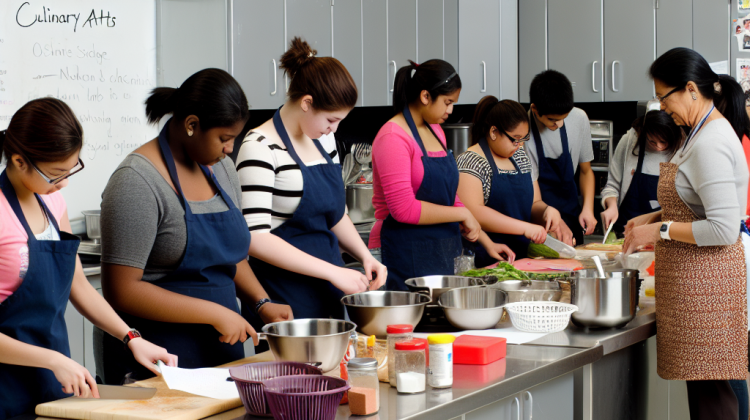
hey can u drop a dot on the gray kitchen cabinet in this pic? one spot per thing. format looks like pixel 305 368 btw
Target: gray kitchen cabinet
pixel 88 331
pixel 74 325
pixel 576 45
pixel 191 36
pixel 508 49
pixel 258 41
pixel 313 21
pixel 626 71
pixel 505 409
pixel 551 400
pixel 479 49
pixel 402 37
pixel 375 86
pixel 430 30
pixel 674 25
pixel 711 33
pixel 450 32
pixel 347 40
pixel 532 43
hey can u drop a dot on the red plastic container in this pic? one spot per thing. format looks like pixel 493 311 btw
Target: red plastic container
pixel 249 380
pixel 478 350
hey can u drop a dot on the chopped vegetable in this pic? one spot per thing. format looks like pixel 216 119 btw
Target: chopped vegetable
pixel 503 271
pixel 541 250
pixel 612 239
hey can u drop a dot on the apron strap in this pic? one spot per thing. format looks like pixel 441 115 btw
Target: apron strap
pixel 415 133
pixel 281 131
pixel 641 158
pixel 541 157
pixel 10 195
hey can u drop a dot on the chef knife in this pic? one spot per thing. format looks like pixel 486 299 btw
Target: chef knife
pixel 565 250
pixel 116 392
pixel 609 229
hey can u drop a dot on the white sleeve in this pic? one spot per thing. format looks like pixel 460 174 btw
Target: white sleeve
pixel 328 141
pixel 256 170
pixel 617 168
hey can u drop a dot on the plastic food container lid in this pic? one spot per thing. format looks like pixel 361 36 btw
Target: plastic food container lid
pixel 399 329
pixel 411 345
pixel 363 363
pixel 441 339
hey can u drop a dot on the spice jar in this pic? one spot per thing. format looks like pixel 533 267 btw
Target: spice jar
pixel 364 394
pixel 440 371
pixel 396 333
pixel 410 366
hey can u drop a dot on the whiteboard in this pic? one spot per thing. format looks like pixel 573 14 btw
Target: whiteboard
pixel 99 56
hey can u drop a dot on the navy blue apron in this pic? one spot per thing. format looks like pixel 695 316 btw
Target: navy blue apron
pixel 557 182
pixel 35 313
pixel 422 250
pixel 216 242
pixel 513 196
pixel 322 206
pixel 641 193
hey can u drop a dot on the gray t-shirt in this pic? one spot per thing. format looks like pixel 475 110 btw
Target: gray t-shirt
pixel 579 141
pixel 143 222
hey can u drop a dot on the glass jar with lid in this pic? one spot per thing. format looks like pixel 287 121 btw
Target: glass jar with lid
pixel 410 366
pixel 364 394
pixel 396 333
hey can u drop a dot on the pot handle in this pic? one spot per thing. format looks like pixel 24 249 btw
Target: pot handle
pixel 262 336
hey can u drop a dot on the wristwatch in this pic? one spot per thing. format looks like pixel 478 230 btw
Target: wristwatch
pixel 132 333
pixel 260 303
pixel 664 231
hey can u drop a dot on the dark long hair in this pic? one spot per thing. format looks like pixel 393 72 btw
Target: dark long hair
pixel 436 76
pixel 679 66
pixel 43 130
pixel 505 115
pixel 212 95
pixel 660 125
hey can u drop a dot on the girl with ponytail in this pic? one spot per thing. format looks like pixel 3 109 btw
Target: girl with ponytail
pixel 496 184
pixel 420 219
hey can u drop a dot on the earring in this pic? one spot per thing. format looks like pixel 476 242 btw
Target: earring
pixel 492 137
pixel 693 95
pixel 190 133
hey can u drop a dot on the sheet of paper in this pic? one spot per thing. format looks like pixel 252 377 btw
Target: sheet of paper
pixel 720 67
pixel 208 382
pixel 509 333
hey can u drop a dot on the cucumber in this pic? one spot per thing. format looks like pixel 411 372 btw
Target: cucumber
pixel 541 250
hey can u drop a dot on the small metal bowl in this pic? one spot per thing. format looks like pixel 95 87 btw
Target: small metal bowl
pixel 530 290
pixel 373 312
pixel 434 286
pixel 473 308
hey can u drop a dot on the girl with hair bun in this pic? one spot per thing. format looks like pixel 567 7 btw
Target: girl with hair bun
pixel 420 219
pixel 293 195
pixel 39 268
pixel 496 184
pixel 174 243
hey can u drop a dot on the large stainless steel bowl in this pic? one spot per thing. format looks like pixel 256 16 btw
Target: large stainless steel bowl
pixel 373 312
pixel 434 286
pixel 322 342
pixel 608 301
pixel 530 290
pixel 473 308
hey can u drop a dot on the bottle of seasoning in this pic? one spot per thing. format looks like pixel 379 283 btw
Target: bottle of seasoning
pixel 440 371
pixel 364 394
pixel 396 333
pixel 410 366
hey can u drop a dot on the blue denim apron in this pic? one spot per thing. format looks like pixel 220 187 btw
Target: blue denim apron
pixel 557 182
pixel 511 195
pixel 641 193
pixel 216 242
pixel 322 206
pixel 422 250
pixel 34 314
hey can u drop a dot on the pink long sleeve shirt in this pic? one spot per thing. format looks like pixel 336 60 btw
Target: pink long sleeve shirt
pixel 397 175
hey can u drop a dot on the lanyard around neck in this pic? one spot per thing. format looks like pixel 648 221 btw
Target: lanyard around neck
pixel 695 129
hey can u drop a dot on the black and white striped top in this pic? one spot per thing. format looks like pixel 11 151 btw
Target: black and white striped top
pixel 271 181
pixel 472 163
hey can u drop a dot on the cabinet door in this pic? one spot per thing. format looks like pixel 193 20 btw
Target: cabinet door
pixel 479 49
pixel 375 87
pixel 191 36
pixel 672 28
pixel 347 39
pixel 311 20
pixel 450 37
pixel 509 49
pixel 88 331
pixel 430 30
pixel 505 409
pixel 551 400
pixel 74 325
pixel 402 37
pixel 575 45
pixel 257 45
pixel 710 29
pixel 532 43
pixel 628 52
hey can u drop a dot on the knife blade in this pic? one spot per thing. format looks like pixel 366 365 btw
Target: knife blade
pixel 116 392
pixel 609 229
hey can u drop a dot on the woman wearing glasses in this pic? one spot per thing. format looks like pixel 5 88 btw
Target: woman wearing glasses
pixel 500 192
pixel 39 267
pixel 420 219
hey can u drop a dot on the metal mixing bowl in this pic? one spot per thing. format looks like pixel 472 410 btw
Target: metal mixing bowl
pixel 473 308
pixel 373 312
pixel 608 301
pixel 530 290
pixel 321 342
pixel 434 286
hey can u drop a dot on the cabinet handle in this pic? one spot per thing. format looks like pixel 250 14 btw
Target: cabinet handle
pixel 613 75
pixel 518 406
pixel 484 77
pixel 531 404
pixel 273 62
pixel 593 76
pixel 395 69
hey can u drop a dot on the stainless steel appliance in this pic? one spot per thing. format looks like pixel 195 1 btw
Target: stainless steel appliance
pixel 602 136
pixel 608 301
pixel 359 203
pixel 473 308
pixel 457 137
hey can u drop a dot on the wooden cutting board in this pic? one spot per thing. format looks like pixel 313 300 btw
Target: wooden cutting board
pixel 166 404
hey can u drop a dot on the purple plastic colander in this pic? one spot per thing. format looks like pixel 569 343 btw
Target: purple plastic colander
pixel 249 380
pixel 305 397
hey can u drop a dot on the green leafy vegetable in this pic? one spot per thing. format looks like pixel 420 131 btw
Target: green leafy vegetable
pixel 541 250
pixel 503 271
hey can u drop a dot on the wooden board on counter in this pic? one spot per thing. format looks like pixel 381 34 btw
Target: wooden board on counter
pixel 167 404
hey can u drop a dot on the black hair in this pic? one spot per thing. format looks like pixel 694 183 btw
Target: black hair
pixel 551 93
pixel 212 95
pixel 660 125
pixel 436 76
pixel 678 66
pixel 504 115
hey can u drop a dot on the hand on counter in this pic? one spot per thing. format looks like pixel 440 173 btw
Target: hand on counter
pixel 375 271
pixel 148 353
pixel 587 221
pixel 349 281
pixel 233 327
pixel 275 312
pixel 641 236
pixel 74 378
pixel 470 227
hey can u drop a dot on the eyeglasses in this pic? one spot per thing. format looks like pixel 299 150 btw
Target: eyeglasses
pixel 664 98
pixel 515 141
pixel 78 168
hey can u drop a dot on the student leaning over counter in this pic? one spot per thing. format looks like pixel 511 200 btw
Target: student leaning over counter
pixel 39 265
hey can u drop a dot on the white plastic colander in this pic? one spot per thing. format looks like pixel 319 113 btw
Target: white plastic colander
pixel 540 317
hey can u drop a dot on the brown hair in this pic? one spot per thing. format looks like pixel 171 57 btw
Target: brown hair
pixel 504 115
pixel 43 130
pixel 323 78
